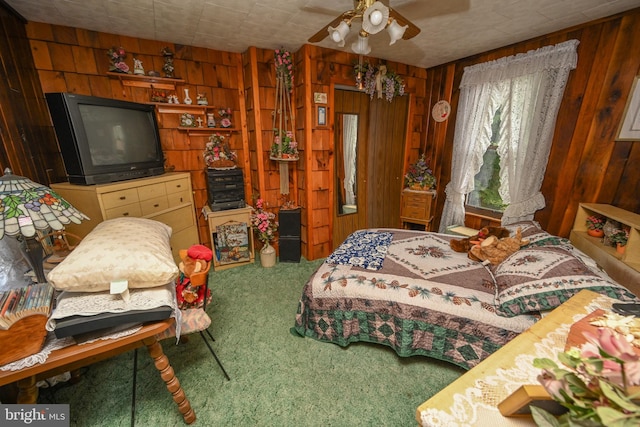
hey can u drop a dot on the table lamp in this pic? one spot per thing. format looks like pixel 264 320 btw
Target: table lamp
pixel 26 206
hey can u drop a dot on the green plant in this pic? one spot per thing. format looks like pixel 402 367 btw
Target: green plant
pixel 620 236
pixel 284 145
pixel 595 222
pixel 595 387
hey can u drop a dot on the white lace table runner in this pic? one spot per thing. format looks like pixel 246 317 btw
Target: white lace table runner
pixel 478 405
pixel 52 343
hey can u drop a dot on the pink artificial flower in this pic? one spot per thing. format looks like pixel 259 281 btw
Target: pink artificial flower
pixel 612 344
pixel 553 385
pixel 122 66
pixel 259 203
pixel 225 123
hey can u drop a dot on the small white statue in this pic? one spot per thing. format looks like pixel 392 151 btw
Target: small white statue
pixel 137 67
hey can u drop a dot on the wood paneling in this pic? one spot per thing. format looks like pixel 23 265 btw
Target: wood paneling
pixel 586 164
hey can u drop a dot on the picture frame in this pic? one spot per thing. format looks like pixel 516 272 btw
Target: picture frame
pixel 629 129
pixel 321 116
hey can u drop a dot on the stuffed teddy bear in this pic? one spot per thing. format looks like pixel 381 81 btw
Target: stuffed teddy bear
pixel 497 250
pixel 194 268
pixel 464 245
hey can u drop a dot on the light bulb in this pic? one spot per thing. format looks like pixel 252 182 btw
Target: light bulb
pixel 376 17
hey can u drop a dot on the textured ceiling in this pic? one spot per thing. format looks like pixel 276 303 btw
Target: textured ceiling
pixel 451 29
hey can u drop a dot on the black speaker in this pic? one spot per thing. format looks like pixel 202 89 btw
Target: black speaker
pixel 289 221
pixel 289 249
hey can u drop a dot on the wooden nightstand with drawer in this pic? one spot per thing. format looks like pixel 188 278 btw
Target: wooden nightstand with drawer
pixel 415 208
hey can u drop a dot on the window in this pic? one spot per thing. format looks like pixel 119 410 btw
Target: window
pixel 506 116
pixel 486 192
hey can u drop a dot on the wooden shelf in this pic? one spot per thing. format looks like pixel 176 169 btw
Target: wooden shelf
pixel 624 268
pixel 145 81
pixel 206 130
pixel 165 107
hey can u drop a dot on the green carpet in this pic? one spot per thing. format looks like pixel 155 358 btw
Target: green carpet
pixel 277 379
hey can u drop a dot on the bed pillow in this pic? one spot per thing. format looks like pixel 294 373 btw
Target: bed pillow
pixel 543 277
pixel 132 249
pixel 363 248
pixel 536 236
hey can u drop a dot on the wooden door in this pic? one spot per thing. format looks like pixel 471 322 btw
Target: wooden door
pixel 385 151
pixel 346 222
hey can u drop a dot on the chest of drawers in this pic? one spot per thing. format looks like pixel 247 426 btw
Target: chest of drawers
pixel 167 198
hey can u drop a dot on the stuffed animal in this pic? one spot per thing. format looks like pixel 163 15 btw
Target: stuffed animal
pixel 464 245
pixel 497 250
pixel 194 268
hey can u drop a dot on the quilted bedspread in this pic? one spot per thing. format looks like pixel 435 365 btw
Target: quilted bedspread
pixel 425 300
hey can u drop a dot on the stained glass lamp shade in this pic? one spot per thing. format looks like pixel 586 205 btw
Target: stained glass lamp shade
pixel 26 206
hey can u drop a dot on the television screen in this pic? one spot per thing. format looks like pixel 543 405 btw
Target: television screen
pixel 115 136
pixel 104 140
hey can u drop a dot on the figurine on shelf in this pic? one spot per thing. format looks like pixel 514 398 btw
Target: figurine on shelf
pixel 137 67
pixel 116 56
pixel 168 63
pixel 173 99
pixel 187 100
pixel 211 120
pixel 158 96
pixel 199 120
pixel 225 117
pixel 201 99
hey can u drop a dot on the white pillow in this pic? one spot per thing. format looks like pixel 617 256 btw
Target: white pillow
pixel 133 249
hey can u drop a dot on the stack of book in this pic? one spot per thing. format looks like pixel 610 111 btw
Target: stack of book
pixel 26 301
pixel 23 315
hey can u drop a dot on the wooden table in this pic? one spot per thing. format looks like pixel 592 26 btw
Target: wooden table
pixel 79 355
pixel 472 399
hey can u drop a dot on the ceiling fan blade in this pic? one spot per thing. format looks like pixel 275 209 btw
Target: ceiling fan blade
pixel 320 35
pixel 411 31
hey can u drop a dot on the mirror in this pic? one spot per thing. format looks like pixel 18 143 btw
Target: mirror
pixel 346 161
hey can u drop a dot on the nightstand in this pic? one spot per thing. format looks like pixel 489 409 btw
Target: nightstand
pixel 415 207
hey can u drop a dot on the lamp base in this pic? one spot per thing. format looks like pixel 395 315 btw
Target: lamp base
pixel 32 251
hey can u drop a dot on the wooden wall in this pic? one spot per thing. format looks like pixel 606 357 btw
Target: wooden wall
pixel 586 164
pixel 321 70
pixel 75 60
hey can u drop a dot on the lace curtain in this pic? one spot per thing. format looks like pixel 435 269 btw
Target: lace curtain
pixel 529 87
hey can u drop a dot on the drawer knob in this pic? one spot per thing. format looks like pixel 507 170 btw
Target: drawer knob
pixel 156 205
pixel 123 197
pixel 179 186
pixel 125 214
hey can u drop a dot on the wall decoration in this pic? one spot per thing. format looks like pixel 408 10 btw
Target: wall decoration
pixel 187 120
pixel 378 80
pixel 441 111
pixel 321 116
pixel 231 243
pixel 630 127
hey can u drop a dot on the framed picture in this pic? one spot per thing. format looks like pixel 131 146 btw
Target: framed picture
pixel 321 116
pixel 630 127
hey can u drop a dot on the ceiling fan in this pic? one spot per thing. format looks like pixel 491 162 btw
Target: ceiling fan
pixel 375 16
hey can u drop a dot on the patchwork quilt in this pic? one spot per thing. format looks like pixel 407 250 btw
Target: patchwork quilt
pixel 425 299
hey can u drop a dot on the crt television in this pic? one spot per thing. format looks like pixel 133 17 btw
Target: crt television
pixel 105 140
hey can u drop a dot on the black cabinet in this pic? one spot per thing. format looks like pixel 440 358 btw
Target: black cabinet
pixel 289 242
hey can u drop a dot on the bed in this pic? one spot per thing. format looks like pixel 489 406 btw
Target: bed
pixel 408 290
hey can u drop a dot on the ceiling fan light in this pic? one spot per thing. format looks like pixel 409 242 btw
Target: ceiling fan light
pixel 396 31
pixel 375 18
pixel 339 33
pixel 361 46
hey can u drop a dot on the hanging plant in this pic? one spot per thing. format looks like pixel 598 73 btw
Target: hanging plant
pixel 378 80
pixel 284 67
